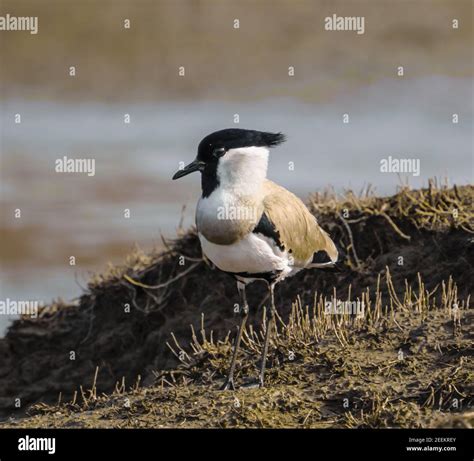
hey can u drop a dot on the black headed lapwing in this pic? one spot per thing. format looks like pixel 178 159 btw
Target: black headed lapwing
pixel 249 226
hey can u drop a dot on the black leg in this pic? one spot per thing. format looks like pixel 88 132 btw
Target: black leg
pixel 270 323
pixel 244 312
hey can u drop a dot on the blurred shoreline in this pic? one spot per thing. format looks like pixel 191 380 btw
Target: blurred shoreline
pixel 141 64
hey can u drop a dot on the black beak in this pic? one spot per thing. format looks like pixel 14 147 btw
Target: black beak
pixel 191 168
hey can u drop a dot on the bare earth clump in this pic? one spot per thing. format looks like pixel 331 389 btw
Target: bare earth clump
pixel 152 339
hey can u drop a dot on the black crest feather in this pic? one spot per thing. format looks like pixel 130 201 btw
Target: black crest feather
pixel 232 138
pixel 273 139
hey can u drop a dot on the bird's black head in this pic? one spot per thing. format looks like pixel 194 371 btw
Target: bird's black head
pixel 217 144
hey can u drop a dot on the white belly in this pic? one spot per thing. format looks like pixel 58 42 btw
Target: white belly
pixel 254 254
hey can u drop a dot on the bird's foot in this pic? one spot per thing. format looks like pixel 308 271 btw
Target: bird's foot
pixel 251 384
pixel 228 385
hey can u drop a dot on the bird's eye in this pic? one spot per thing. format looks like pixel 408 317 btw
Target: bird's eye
pixel 218 152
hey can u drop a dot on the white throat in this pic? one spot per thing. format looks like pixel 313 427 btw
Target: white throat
pixel 243 170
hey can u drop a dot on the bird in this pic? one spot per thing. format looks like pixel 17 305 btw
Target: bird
pixel 249 226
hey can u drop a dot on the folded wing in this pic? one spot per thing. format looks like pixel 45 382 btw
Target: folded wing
pixel 292 226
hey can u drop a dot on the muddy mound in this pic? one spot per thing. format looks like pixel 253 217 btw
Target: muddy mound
pixel 407 365
pixel 123 322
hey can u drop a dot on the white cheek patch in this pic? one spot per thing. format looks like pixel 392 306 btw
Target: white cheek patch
pixel 243 169
pixel 248 152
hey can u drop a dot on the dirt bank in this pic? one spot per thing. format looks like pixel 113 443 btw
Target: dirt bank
pixel 406 362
